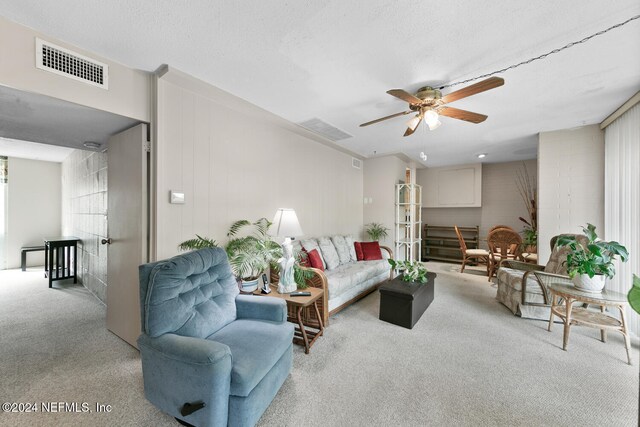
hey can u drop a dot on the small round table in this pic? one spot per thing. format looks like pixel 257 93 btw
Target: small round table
pixel 582 316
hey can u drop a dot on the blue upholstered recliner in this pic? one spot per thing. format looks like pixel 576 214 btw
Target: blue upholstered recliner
pixel 202 343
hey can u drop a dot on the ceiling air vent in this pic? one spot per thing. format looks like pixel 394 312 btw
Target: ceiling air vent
pixel 356 163
pixel 320 127
pixel 65 62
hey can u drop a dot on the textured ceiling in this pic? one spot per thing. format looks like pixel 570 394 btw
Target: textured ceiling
pixel 334 60
pixel 37 118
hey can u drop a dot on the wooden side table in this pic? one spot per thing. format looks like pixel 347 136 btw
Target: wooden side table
pixel 581 316
pixel 295 305
pixel 57 258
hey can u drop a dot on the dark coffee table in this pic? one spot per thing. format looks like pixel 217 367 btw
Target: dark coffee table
pixel 403 303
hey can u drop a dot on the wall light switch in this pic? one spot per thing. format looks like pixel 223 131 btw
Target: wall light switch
pixel 176 198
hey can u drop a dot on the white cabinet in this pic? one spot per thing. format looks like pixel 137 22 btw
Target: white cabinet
pixel 408 221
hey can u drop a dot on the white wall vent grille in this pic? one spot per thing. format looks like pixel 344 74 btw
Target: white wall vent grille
pixel 323 128
pixel 65 62
pixel 356 163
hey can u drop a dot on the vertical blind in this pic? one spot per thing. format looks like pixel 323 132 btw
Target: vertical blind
pixel 4 178
pixel 622 199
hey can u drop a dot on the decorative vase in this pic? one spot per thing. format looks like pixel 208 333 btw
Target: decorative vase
pixel 585 283
pixel 249 285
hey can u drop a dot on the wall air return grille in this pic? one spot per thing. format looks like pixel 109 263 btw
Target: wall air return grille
pixel 323 128
pixel 65 62
pixel 356 163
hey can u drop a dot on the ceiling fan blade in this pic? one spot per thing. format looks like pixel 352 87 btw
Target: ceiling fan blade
pixel 385 118
pixel 465 115
pixel 490 83
pixel 405 96
pixel 410 130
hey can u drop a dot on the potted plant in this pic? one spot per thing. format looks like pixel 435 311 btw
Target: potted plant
pixel 251 255
pixel 376 231
pixel 198 243
pixel 591 264
pixel 410 271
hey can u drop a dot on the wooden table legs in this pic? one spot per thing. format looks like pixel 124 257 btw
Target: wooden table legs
pixel 303 334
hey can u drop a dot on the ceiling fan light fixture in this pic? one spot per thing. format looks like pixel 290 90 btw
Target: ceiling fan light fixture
pixel 414 122
pixel 431 119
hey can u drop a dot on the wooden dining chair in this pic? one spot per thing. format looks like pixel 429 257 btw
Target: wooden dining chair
pixel 503 244
pixel 495 227
pixel 480 255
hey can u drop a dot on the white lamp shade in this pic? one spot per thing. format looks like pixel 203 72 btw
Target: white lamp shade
pixel 285 224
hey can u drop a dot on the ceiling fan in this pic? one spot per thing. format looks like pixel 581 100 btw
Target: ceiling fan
pixel 429 103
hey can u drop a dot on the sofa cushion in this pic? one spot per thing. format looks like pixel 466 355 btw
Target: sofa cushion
pixel 556 263
pixel 352 249
pixel 329 253
pixel 346 276
pixel 247 339
pixel 371 251
pixel 192 294
pixel 315 260
pixel 311 244
pixel 358 248
pixel 341 248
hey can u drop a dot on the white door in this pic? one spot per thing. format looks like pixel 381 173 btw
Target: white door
pixel 127 216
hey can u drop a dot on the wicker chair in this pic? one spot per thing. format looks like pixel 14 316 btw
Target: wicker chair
pixel 495 227
pixel 480 255
pixel 523 287
pixel 503 244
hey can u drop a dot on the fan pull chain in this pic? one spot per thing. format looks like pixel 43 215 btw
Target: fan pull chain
pixel 544 55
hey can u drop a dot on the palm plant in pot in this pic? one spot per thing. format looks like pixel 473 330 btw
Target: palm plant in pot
pixel 591 264
pixel 251 255
pixel 376 231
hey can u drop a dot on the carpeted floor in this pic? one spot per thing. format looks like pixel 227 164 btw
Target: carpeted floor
pixel 468 361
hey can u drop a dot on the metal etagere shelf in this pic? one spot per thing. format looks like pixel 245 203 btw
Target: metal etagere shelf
pixel 408 221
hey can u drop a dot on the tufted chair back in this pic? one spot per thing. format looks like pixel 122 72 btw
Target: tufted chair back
pixel 191 294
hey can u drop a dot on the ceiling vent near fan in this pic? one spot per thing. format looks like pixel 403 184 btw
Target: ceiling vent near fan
pixel 356 163
pixel 323 128
pixel 64 62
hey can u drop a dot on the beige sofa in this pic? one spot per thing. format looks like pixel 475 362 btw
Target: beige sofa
pixel 344 280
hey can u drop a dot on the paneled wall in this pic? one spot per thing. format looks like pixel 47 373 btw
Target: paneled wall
pixel 33 210
pixel 571 180
pixel 380 178
pixel 84 215
pixel 234 161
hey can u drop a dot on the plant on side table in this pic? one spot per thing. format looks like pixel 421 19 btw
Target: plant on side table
pixel 411 271
pixel 589 266
pixel 376 231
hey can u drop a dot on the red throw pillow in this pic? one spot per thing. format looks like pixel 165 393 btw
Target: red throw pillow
pixel 371 251
pixel 358 246
pixel 315 260
pixel 304 258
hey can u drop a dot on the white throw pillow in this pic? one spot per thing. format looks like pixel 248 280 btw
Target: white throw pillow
pixel 329 253
pixel 342 249
pixel 352 249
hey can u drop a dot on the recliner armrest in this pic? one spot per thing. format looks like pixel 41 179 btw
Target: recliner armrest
pixel 261 308
pixel 185 349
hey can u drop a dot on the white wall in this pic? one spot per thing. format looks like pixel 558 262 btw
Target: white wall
pixel 234 161
pixel 129 91
pixel 381 175
pixel 34 207
pixel 571 183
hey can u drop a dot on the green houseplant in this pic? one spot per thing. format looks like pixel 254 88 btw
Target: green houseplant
pixel 589 266
pixel 250 255
pixel 376 231
pixel 411 271
pixel 634 294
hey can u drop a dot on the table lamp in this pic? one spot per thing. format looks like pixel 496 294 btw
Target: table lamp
pixel 285 224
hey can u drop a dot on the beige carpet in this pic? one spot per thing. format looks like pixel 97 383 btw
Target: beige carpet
pixel 468 361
